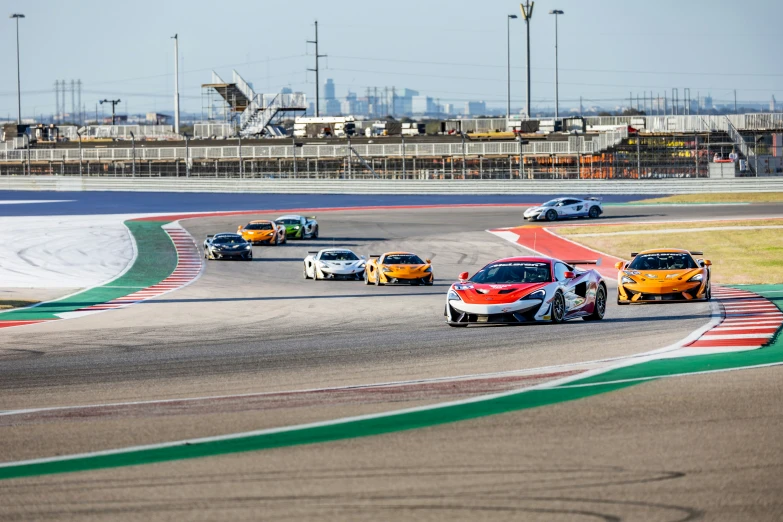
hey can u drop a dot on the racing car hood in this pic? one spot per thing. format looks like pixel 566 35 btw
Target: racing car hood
pixel 535 210
pixel 474 293
pixel 661 277
pixel 405 269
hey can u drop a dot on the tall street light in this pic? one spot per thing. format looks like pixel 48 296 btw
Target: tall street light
pixel 556 12
pixel 527 14
pixel 18 80
pixel 508 39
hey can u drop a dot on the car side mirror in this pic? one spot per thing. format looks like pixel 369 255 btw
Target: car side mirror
pixel 707 262
pixel 362 257
pixel 463 276
pixel 569 275
pixel 239 228
pixel 619 265
pixel 428 261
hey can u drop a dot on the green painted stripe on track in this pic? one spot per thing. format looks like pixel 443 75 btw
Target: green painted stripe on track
pixel 311 435
pixel 156 259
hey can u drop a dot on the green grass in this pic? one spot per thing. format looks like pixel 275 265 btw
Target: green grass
pixel 721 197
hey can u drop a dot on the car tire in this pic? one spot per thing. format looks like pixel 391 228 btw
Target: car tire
pixel 600 305
pixel 378 278
pixel 367 277
pixel 593 213
pixel 249 256
pixel 315 232
pixel 558 308
pixel 551 215
pixel 304 272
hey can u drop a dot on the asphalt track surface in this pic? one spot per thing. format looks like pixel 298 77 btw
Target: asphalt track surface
pixel 705 447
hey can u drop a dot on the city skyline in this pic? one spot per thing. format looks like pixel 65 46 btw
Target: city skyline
pixel 608 51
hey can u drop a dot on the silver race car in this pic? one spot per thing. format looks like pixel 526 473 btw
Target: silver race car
pixel 565 208
pixel 227 246
pixel 333 263
pixel 299 227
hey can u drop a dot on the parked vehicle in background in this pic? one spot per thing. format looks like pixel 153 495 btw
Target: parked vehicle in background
pixel 324 127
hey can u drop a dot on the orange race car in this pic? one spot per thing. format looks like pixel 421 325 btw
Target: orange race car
pixel 263 232
pixel 663 275
pixel 398 267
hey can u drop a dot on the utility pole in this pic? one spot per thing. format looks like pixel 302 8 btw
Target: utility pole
pixel 735 101
pixel 57 99
pixel 176 84
pixel 527 14
pixel 557 13
pixel 17 16
pixel 508 68
pixel 79 98
pixel 73 100
pixel 317 57
pixel 113 104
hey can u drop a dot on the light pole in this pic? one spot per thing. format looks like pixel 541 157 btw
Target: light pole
pixel 78 133
pixel 113 104
pixel 508 55
pixel 527 14
pixel 133 144
pixel 176 84
pixel 556 12
pixel 17 16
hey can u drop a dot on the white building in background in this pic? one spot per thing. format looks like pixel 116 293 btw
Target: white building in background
pixel 706 103
pixel 423 105
pixel 772 104
pixel 475 108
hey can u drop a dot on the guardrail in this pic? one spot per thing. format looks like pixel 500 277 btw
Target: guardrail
pixel 473 149
pixel 381 186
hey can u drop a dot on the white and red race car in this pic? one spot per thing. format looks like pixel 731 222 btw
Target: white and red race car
pixel 520 290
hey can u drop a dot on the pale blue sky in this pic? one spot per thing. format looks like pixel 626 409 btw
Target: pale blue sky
pixel 452 50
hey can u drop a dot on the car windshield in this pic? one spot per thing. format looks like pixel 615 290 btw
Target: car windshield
pixel 288 221
pixel 663 261
pixel 228 240
pixel 551 203
pixel 513 272
pixel 258 226
pixel 402 259
pixel 338 256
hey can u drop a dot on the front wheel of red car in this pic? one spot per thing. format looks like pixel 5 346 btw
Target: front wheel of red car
pixel 558 308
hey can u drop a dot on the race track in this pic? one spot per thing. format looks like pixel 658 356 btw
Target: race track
pixel 250 346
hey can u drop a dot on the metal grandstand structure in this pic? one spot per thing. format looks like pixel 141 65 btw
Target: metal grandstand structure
pixel 253 113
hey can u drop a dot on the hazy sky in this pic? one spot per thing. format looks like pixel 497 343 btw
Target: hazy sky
pixel 452 50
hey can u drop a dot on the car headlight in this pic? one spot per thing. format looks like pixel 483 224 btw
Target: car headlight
pixel 428 269
pixel 538 294
pixel 386 269
pixel 248 246
pixel 627 280
pixel 296 227
pixel 696 278
pixel 453 296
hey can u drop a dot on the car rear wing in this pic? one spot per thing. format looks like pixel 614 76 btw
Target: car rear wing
pixel 313 251
pixel 594 199
pixel 634 254
pixel 694 253
pixel 374 255
pixel 310 217
pixel 210 235
pixel 596 262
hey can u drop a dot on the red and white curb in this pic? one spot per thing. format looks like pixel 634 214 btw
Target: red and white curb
pixel 188 269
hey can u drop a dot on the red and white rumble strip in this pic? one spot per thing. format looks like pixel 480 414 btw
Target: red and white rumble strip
pixel 749 322
pixel 188 269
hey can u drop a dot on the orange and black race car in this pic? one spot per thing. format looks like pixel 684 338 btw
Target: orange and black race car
pixel 663 275
pixel 263 232
pixel 398 267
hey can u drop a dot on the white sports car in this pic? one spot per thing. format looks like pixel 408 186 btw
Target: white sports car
pixel 299 227
pixel 565 208
pixel 333 263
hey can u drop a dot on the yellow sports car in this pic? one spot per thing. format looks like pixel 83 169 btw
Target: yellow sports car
pixel 263 232
pixel 663 275
pixel 398 267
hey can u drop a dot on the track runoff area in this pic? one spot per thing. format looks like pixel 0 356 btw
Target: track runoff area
pixel 186 389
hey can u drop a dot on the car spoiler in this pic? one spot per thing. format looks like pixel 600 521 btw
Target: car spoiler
pixel 310 217
pixel 313 251
pixel 596 262
pixel 694 253
pixel 594 199
pixel 210 235
pixel 375 255
pixel 634 254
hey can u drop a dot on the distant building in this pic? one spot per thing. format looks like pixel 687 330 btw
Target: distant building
pixel 448 109
pixel 329 90
pixel 772 104
pixel 155 118
pixel 706 103
pixel 332 107
pixel 423 105
pixel 475 108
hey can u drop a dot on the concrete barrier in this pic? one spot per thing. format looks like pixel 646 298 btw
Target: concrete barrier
pixel 379 186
